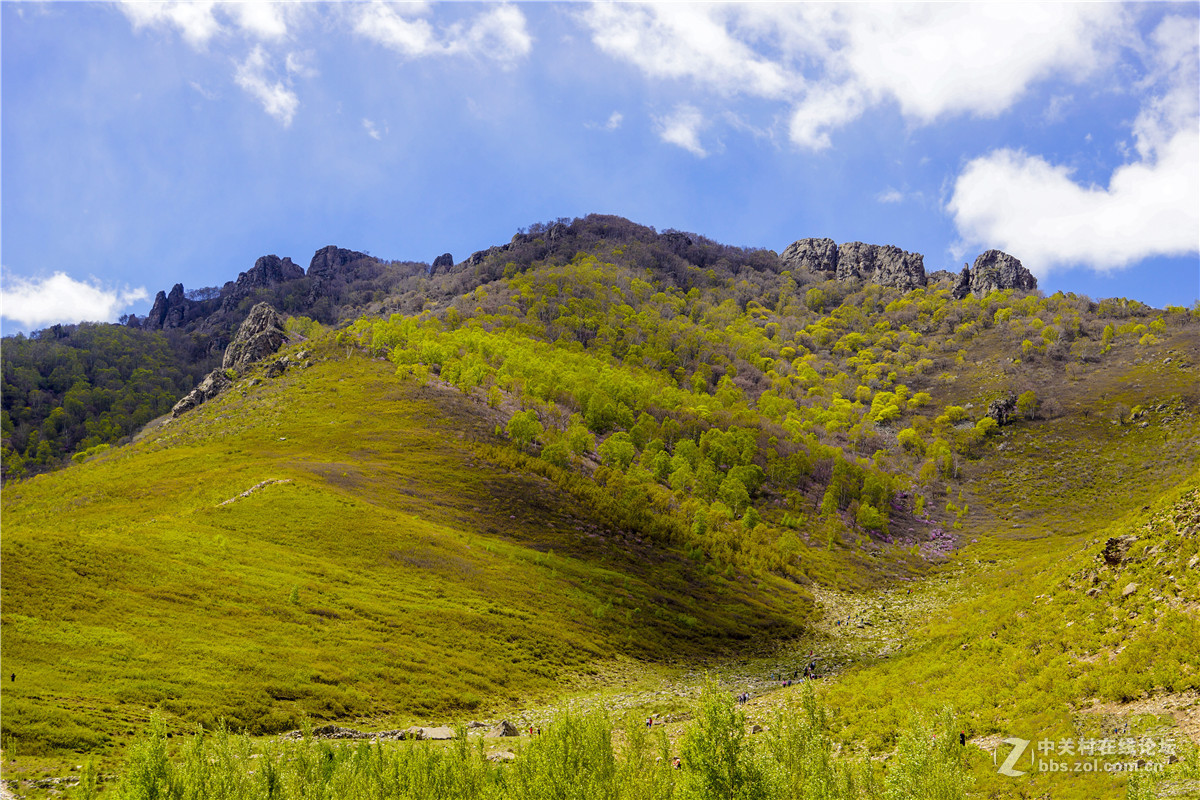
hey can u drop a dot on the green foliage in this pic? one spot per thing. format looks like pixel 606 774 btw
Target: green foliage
pixel 719 764
pixel 617 450
pixel 524 428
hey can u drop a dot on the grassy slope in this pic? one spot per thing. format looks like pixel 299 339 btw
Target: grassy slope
pixel 397 575
pixel 1048 634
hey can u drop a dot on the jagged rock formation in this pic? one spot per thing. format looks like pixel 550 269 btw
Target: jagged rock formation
pixel 886 265
pixel 996 270
pixel 443 262
pixel 258 337
pixel 169 310
pixel 962 286
pixel 818 256
pixel 267 271
pixel 332 262
pixel 213 384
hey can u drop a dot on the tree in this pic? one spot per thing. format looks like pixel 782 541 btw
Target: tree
pixel 1027 404
pixel 617 450
pixel 524 428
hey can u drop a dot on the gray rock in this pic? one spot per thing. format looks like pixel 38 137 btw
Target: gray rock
pixel 212 385
pixel 332 262
pixel 443 262
pixel 996 270
pixel 504 728
pixel 259 336
pixel 816 256
pixel 1002 409
pixel 962 287
pixel 1116 548
pixel 886 265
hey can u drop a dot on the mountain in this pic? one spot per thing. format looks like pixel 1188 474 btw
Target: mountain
pixel 599 450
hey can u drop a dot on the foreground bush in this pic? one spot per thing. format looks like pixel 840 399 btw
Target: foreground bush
pixel 578 758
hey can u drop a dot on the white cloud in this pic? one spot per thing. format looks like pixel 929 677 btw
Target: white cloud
pixel 682 128
pixel 679 41
pixel 498 33
pixel 829 63
pixel 198 23
pixel 614 121
pixel 194 20
pixel 264 20
pixel 61 298
pixel 371 130
pixel 890 195
pixel 1151 206
pixel 277 99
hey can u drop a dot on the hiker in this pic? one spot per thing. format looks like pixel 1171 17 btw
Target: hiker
pixel 962 739
pixel 676 763
pixel 649 723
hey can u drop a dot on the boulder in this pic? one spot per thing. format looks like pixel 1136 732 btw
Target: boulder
pixel 259 336
pixel 816 256
pixel 1116 548
pixel 996 270
pixel 504 728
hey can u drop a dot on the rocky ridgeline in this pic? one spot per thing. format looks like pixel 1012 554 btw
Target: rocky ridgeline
pixel 175 309
pixel 259 336
pixel 888 265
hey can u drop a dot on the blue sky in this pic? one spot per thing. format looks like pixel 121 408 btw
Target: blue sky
pixel 146 144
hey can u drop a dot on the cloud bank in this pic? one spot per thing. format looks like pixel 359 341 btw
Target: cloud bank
pixel 1150 207
pixel 35 303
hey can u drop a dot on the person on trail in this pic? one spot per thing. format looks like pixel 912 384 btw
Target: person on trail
pixel 649 723
pixel 677 763
pixel 962 739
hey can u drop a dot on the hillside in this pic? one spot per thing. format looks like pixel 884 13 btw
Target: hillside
pixel 600 444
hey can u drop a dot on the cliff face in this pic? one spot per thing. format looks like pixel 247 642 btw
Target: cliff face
pixel 888 265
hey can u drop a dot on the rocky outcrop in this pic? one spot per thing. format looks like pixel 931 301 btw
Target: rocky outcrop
pixel 212 385
pixel 443 262
pixel 1003 408
pixel 169 310
pixel 332 262
pixel 996 271
pixel 962 286
pixel 1116 548
pixel 259 336
pixel 816 256
pixel 267 271
pixel 886 265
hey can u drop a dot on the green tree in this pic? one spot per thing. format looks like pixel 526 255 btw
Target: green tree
pixel 718 763
pixel 1028 404
pixel 524 428
pixel 617 450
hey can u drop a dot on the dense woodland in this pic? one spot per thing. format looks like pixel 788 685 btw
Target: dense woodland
pixel 716 386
